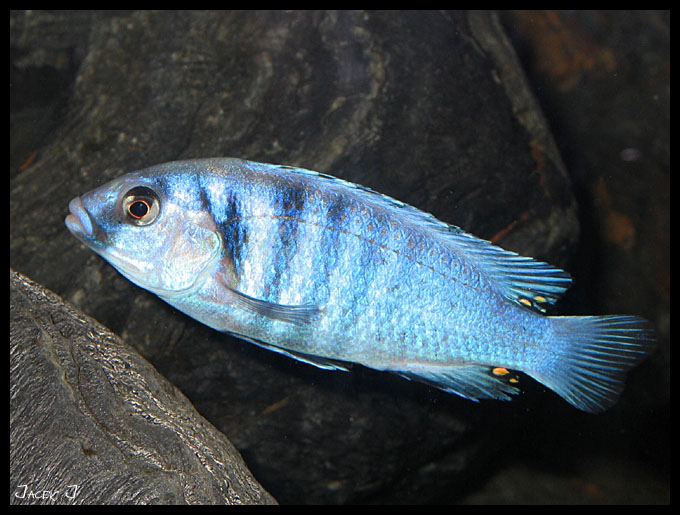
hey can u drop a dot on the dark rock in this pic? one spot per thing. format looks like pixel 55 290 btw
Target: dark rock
pixel 92 422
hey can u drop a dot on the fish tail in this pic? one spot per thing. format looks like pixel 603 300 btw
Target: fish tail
pixel 589 357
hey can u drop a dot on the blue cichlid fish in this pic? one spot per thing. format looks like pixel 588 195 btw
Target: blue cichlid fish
pixel 329 272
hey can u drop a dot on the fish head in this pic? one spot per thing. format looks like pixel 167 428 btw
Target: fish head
pixel 152 227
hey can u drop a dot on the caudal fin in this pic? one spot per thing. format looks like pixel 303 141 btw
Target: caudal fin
pixel 589 357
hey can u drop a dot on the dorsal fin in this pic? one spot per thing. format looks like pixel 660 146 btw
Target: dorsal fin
pixel 521 279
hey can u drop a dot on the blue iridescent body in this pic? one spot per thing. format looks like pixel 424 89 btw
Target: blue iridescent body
pixel 330 272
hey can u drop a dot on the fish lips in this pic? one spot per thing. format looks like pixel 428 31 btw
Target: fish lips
pixel 78 221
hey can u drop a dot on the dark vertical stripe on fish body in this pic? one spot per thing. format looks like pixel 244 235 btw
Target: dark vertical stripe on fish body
pixel 234 232
pixel 289 204
pixel 331 212
pixel 225 206
pixel 308 230
pixel 352 270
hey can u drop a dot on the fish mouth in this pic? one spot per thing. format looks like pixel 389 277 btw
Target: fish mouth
pixel 78 221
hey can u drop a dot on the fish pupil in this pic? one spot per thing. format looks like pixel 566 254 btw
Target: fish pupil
pixel 139 208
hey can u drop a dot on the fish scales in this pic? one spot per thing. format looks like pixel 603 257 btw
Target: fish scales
pixel 330 272
pixel 364 262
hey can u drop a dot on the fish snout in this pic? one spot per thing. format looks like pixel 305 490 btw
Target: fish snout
pixel 78 220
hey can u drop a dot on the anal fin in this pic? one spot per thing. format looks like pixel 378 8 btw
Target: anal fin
pixel 471 381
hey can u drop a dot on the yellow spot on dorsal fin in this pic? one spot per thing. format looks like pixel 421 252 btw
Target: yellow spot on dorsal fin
pixel 539 298
pixel 513 380
pixel 500 371
pixel 526 302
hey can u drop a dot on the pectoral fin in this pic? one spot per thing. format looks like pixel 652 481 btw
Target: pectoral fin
pixel 299 315
pixel 293 314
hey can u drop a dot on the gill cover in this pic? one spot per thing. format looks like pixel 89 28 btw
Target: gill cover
pixel 187 254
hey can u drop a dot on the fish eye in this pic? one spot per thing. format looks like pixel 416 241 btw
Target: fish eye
pixel 141 205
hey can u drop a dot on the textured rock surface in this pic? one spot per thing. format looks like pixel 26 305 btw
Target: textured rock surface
pixel 91 421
